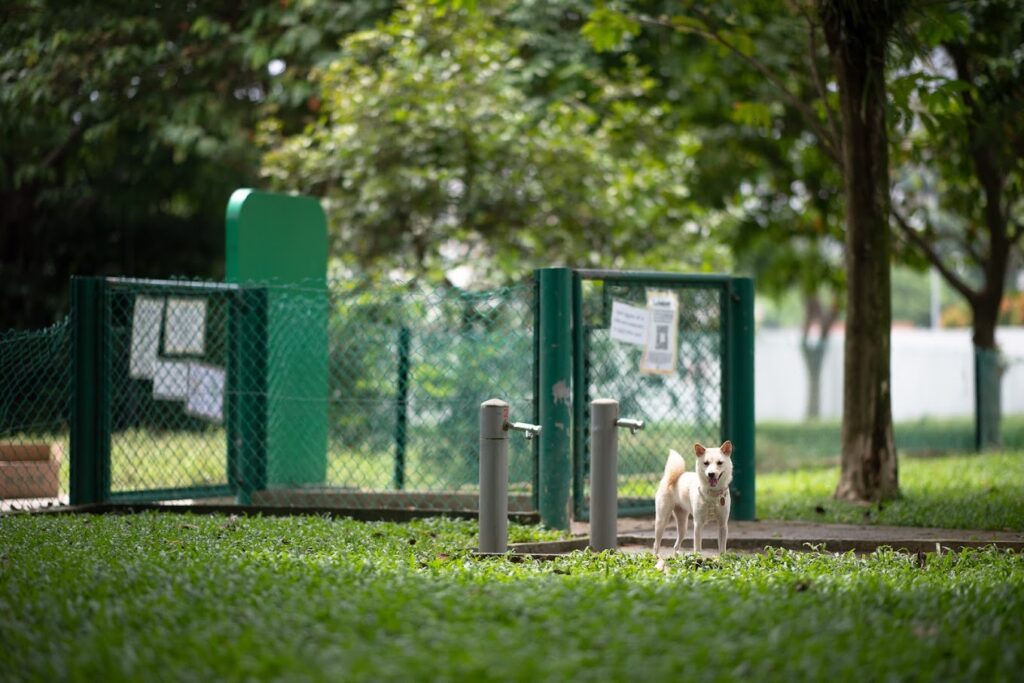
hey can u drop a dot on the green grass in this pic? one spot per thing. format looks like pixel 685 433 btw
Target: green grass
pixel 789 446
pixel 959 492
pixel 175 598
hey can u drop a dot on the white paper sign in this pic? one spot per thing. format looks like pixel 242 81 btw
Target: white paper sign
pixel 205 392
pixel 185 326
pixel 629 323
pixel 170 380
pixel 662 346
pixel 146 318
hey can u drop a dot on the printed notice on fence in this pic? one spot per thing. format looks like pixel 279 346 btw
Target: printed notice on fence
pixel 629 323
pixel 146 319
pixel 170 380
pixel 205 392
pixel 661 347
pixel 185 326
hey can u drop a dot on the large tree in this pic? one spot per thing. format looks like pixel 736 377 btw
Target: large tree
pixel 850 129
pixel 857 34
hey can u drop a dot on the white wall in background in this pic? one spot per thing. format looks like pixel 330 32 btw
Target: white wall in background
pixel 932 374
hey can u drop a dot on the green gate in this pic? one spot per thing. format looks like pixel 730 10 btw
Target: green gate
pixel 143 426
pixel 693 383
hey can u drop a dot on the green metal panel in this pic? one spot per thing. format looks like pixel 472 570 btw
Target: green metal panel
pixel 283 239
pixel 555 395
pixel 739 393
pixel 90 410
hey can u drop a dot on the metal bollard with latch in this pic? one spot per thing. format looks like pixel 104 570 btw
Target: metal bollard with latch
pixel 494 428
pixel 604 456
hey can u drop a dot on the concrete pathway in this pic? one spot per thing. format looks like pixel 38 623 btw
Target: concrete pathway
pixel 830 537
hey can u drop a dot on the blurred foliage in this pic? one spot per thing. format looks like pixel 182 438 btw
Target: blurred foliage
pixel 491 134
pixel 444 126
pixel 124 127
pixel 957 93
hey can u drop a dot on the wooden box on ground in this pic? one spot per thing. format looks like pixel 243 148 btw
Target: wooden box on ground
pixel 29 470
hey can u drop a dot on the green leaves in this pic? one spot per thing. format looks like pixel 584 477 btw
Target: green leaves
pixel 753 114
pixel 608 28
pixel 437 127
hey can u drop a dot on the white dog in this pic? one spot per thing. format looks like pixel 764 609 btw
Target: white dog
pixel 703 494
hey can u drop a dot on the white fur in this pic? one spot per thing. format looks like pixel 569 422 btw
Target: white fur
pixel 683 494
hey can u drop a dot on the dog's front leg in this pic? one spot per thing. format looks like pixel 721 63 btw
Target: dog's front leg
pixel 723 535
pixel 698 532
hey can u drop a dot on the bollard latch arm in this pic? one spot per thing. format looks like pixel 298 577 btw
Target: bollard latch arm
pixel 631 424
pixel 528 430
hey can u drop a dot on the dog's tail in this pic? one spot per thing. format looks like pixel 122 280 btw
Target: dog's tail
pixel 674 468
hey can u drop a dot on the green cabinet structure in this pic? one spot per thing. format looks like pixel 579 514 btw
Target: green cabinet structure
pixel 280 427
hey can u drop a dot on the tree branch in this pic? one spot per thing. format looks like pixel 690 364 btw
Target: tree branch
pixel 827 142
pixel 933 256
pixel 965 244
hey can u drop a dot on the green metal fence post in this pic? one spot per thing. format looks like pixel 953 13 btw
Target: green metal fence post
pixel 738 425
pixel 535 483
pixel 90 409
pixel 247 394
pixel 555 395
pixel 580 400
pixel 401 407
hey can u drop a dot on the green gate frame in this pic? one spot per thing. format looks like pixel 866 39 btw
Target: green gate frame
pixel 561 359
pixel 91 411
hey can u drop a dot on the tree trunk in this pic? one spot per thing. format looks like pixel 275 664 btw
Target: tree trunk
pixel 814 354
pixel 856 34
pixel 814 351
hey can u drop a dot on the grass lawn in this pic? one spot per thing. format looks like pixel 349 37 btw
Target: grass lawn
pixel 168 597
pixel 975 491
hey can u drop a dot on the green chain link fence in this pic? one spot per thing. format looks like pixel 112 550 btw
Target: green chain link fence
pixel 35 394
pixel 362 394
pixel 353 395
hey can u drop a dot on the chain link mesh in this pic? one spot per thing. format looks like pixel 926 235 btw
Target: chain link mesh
pixel 679 408
pixel 358 394
pixel 34 415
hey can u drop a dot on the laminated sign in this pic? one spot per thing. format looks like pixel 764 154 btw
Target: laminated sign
pixel 661 347
pixel 147 316
pixel 205 392
pixel 629 323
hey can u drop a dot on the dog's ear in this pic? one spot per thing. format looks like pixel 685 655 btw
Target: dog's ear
pixel 727 448
pixel 698 449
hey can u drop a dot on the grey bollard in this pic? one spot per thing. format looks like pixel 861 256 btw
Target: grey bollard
pixel 604 464
pixel 493 476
